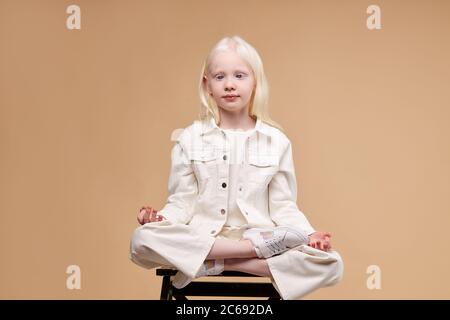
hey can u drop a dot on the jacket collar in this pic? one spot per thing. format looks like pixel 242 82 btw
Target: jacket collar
pixel 209 126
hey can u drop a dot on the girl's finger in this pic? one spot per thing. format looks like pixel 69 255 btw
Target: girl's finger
pixel 146 216
pixel 321 246
pixel 140 216
pixel 152 216
pixel 152 213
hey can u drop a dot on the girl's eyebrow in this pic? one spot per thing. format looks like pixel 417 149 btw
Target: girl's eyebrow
pixel 237 70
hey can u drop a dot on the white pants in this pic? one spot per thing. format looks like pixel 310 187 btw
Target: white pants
pixel 295 272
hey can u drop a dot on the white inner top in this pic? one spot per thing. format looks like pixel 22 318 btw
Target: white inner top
pixel 237 140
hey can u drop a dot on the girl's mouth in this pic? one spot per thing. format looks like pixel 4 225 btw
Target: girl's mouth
pixel 230 98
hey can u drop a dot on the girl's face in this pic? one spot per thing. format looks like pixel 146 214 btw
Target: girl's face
pixel 230 82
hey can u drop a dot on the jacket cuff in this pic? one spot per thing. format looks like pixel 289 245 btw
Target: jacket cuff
pixel 173 214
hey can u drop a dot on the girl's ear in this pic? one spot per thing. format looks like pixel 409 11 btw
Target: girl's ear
pixel 205 83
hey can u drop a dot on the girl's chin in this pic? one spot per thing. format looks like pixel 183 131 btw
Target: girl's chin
pixel 233 105
pixel 231 108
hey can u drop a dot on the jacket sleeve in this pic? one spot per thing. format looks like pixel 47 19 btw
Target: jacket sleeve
pixel 283 195
pixel 182 189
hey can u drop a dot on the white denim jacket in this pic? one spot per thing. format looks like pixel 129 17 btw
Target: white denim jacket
pixel 198 181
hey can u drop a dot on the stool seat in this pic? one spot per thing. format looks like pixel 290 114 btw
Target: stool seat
pixel 215 288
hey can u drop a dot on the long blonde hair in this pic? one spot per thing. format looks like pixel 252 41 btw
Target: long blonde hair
pixel 259 101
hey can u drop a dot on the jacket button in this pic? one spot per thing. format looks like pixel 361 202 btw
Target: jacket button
pixel 222 211
pixel 246 212
pixel 240 188
pixel 224 157
pixel 213 231
pixel 224 185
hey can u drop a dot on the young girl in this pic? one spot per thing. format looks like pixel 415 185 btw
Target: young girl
pixel 232 190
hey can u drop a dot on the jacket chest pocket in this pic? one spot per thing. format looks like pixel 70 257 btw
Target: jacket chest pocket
pixel 261 168
pixel 204 163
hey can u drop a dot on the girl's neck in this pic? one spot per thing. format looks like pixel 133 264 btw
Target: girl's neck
pixel 230 120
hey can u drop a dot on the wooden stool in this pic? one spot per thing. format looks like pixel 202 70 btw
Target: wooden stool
pixel 215 288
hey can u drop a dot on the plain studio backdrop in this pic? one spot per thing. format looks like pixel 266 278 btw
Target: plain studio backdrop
pixel 87 114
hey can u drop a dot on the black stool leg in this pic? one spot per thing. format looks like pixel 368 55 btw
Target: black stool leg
pixel 166 289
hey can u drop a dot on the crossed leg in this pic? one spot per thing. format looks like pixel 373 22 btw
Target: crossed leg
pixel 239 256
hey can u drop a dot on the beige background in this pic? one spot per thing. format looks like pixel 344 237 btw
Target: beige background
pixel 86 117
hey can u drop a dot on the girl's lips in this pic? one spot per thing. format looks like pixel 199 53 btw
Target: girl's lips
pixel 230 98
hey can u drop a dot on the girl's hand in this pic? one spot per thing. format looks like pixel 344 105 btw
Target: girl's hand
pixel 148 214
pixel 320 240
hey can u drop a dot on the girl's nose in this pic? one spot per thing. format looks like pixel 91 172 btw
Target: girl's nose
pixel 229 84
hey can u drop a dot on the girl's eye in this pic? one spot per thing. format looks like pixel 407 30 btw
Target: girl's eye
pixel 239 76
